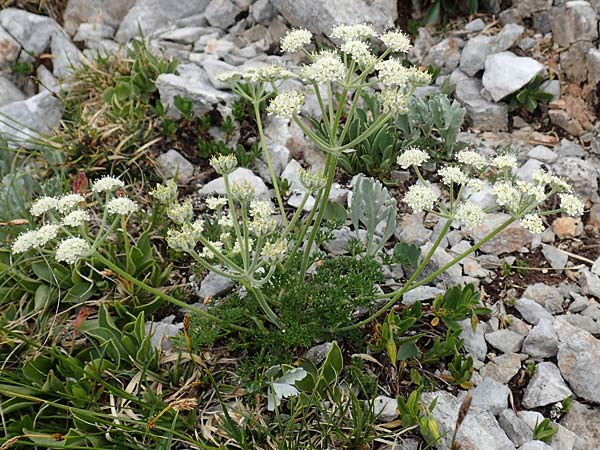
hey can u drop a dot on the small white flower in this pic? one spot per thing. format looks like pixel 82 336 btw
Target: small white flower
pixel 505 162
pixel 72 250
pixel 68 202
pixel 236 249
pixel 359 51
pixel 43 205
pixel 223 164
pixel 327 66
pixel 396 41
pixel 296 39
pixel 533 223
pixel 471 158
pixel 262 225
pixel 470 214
pixel 229 76
pixel 393 73
pixel 76 218
pixel 24 242
pixel 412 157
pixel 268 73
pixel 418 77
pixel 215 203
pixel 261 208
pixel 557 183
pixel 106 184
pixel 286 104
pixel 393 100
pixel 225 221
pixel 207 253
pixel 181 213
pixel 165 193
pixel 420 197
pixel 452 175
pixel 274 252
pixel 121 206
pixel 185 240
pixel 572 205
pixel 476 185
pixel 356 32
pixel 507 195
pixel 536 191
pixel 46 233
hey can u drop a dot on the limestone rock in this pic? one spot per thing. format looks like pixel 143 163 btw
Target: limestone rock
pixel 482 114
pixel 506 73
pixel 545 387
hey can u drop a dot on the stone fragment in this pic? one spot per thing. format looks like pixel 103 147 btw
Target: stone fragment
pixel 502 368
pixel 557 259
pixel 545 387
pixel 9 92
pixel 385 408
pixel 221 13
pixel 99 12
pixel 445 55
pixel 511 239
pixel 515 428
pixel 547 296
pixel 490 395
pixel 576 21
pixel 542 340
pixel 505 340
pixel 567 227
pixel 583 421
pixel 9 49
pixel 506 73
pixel 474 341
pixel 421 293
pixel 217 186
pixel 531 311
pixel 590 283
pixel 214 285
pixel 66 57
pixel 173 165
pixel 481 113
pixel 32 31
pixel 580 174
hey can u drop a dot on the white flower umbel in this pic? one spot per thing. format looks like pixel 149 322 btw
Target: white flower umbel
pixel 72 250
pixel 274 252
pixel 181 213
pixel 396 41
pixel 267 74
pixel 286 104
pixel 262 225
pixel 572 204
pixel 46 233
pixel 471 158
pixel 185 239
pixel 536 191
pixel 107 184
pixel 505 162
pixel 312 181
pixel 470 214
pixel 165 193
pixel 69 202
pixel 418 77
pixel 327 66
pixel 207 253
pixel 215 203
pixel 393 73
pixel 121 206
pixel 412 157
pixel 360 52
pixel 393 100
pixel 43 205
pixel 260 208
pixel 507 195
pixel 223 164
pixel 533 223
pixel 225 221
pixel 476 185
pixel 76 218
pixel 295 40
pixel 356 32
pixel 420 198
pixel 229 76
pixel 454 175
pixel 34 239
pixel 243 191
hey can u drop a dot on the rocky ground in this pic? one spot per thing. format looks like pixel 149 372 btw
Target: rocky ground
pixel 547 313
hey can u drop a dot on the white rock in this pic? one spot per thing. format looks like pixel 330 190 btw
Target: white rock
pixel 531 311
pixel 32 31
pixel 9 92
pixel 174 165
pixel 505 340
pixel 385 408
pixel 489 395
pixel 502 368
pixel 542 340
pixel 514 427
pixel 9 49
pixel 506 73
pixel 545 387
pixel 221 13
pixel 214 285
pixel 474 341
pixel 217 186
pixel 421 293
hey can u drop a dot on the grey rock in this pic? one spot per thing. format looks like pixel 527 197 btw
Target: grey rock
pixel 531 311
pixel 318 353
pixel 161 333
pixel 590 283
pixel 217 186
pixel 9 92
pixel 66 56
pixel 573 61
pixel 341 238
pixel 195 87
pixel 505 340
pixel 531 418
pixel 580 174
pixel 321 16
pixel 506 38
pixel 151 16
pixel 593 311
pixel 583 421
pixel 551 87
pixel 262 11
pixel 526 171
pixel 214 67
pixel 480 430
pixel 403 443
pixel 482 114
pixel 584 322
pixel 543 154
pixel 579 303
pixel 445 55
pixel 93 32
pixel 385 408
pixel 187 35
pixel 564 439
pixel 545 387
pixel 511 239
pixel 557 259
pixel 98 12
pixel 535 445
pixel 579 360
pixel 280 156
pixel 475 25
pixel 24 121
pixel 32 31
pixel 576 21
pixel 593 65
pixel 421 293
pixel 490 395
pixel 547 296
pixel 596 267
pixel 473 56
pixel 213 285
pixel 423 42
pixel 542 340
pixel 515 428
pixel 412 231
pixel 527 43
pixel 570 148
pixel 221 13
pixel 9 49
pixel 506 73
pixel 173 165
pixel 502 368
pixel 452 276
pixel 474 341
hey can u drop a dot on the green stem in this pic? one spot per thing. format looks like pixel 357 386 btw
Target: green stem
pixel 115 268
pixel 263 143
pixel 264 305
